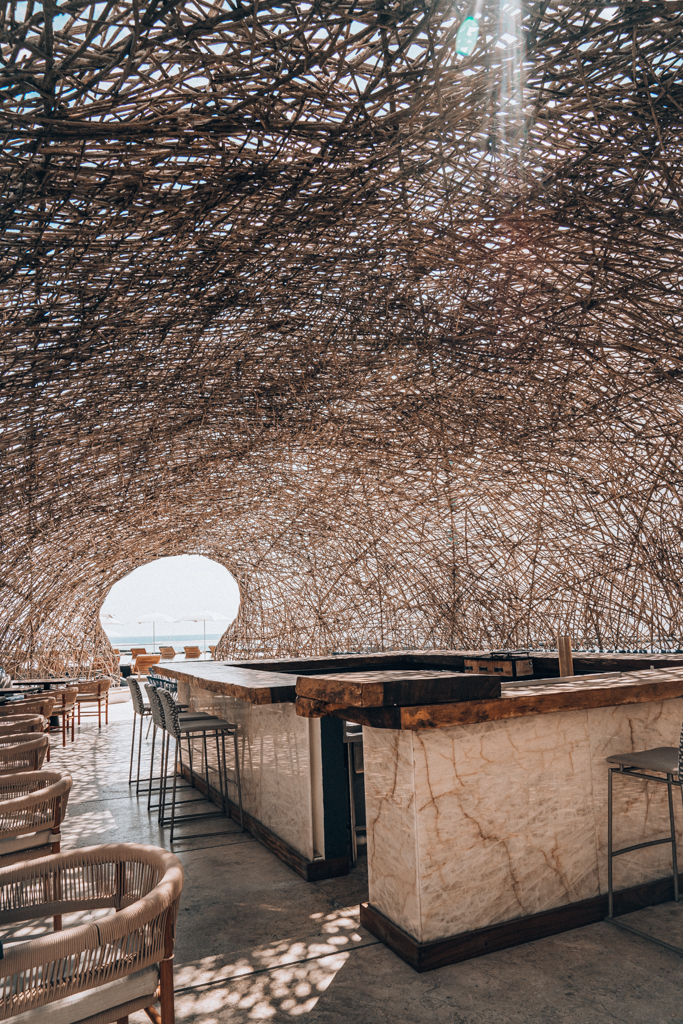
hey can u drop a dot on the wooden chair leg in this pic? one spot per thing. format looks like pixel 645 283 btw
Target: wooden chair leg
pixel 106 709
pixel 73 724
pixel 64 718
pixel 123 1020
pixel 166 996
pixel 99 713
pixel 153 1014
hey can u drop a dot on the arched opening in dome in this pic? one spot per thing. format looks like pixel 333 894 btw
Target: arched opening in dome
pixel 178 600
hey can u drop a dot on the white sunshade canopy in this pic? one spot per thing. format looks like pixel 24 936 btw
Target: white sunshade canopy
pixel 206 616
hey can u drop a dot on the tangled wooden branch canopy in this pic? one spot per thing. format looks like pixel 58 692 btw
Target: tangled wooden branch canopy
pixel 391 331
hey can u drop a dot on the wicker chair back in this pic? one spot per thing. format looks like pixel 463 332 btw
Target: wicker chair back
pixel 23 752
pixel 22 723
pixel 170 712
pixel 32 801
pixel 32 706
pixel 155 706
pixel 136 696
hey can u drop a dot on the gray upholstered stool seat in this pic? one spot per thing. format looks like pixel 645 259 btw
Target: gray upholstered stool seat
pixel 659 759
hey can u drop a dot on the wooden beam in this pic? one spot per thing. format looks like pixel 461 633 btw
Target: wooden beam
pixel 380 688
pixel 516 701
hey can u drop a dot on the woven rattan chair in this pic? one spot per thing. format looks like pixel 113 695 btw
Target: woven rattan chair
pixel 143 663
pixel 33 706
pixel 192 652
pixel 32 809
pixel 65 709
pixel 23 723
pixel 95 972
pixel 23 752
pixel 90 693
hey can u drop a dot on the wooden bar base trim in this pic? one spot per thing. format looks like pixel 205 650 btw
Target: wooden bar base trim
pixel 427 956
pixel 310 870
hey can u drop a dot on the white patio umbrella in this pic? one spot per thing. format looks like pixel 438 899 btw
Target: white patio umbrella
pixel 107 619
pixel 204 616
pixel 153 617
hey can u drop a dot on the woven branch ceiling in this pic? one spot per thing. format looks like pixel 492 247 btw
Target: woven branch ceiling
pixel 392 332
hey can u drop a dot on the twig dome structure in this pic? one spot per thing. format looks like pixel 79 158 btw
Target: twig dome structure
pixel 391 331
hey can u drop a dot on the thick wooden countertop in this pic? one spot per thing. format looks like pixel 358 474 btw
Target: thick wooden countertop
pixel 245 684
pixel 526 697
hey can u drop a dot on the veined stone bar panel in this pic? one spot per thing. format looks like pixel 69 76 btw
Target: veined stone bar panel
pixel 276 755
pixel 474 825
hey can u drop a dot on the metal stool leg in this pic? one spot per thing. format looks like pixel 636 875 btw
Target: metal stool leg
pixel 165 743
pixel 137 783
pixel 175 783
pixel 238 778
pixel 674 858
pixel 151 769
pixel 132 750
pixel 610 891
pixel 206 766
pixel 222 778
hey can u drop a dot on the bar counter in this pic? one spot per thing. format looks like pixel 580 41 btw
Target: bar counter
pixel 292 769
pixel 486 817
pixel 487 825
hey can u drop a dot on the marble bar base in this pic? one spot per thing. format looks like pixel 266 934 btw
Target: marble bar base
pixel 289 769
pixel 495 832
pixel 310 870
pixel 428 956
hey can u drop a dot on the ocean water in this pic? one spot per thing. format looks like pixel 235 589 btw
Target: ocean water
pixel 171 641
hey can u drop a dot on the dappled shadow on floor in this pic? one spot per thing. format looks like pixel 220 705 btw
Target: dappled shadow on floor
pixel 285 977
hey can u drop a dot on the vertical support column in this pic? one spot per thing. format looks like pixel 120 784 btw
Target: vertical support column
pixel 317 841
pixel 335 789
pixel 564 647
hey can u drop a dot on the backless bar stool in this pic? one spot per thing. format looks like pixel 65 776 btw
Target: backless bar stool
pixel 210 726
pixel 659 764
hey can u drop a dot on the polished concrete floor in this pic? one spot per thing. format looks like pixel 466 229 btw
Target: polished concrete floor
pixel 256 942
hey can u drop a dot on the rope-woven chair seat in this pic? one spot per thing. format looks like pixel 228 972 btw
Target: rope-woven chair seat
pixel 114 960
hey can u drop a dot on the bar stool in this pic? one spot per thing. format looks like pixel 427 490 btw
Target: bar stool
pixel 649 765
pixel 209 726
pixel 141 711
pixel 159 723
